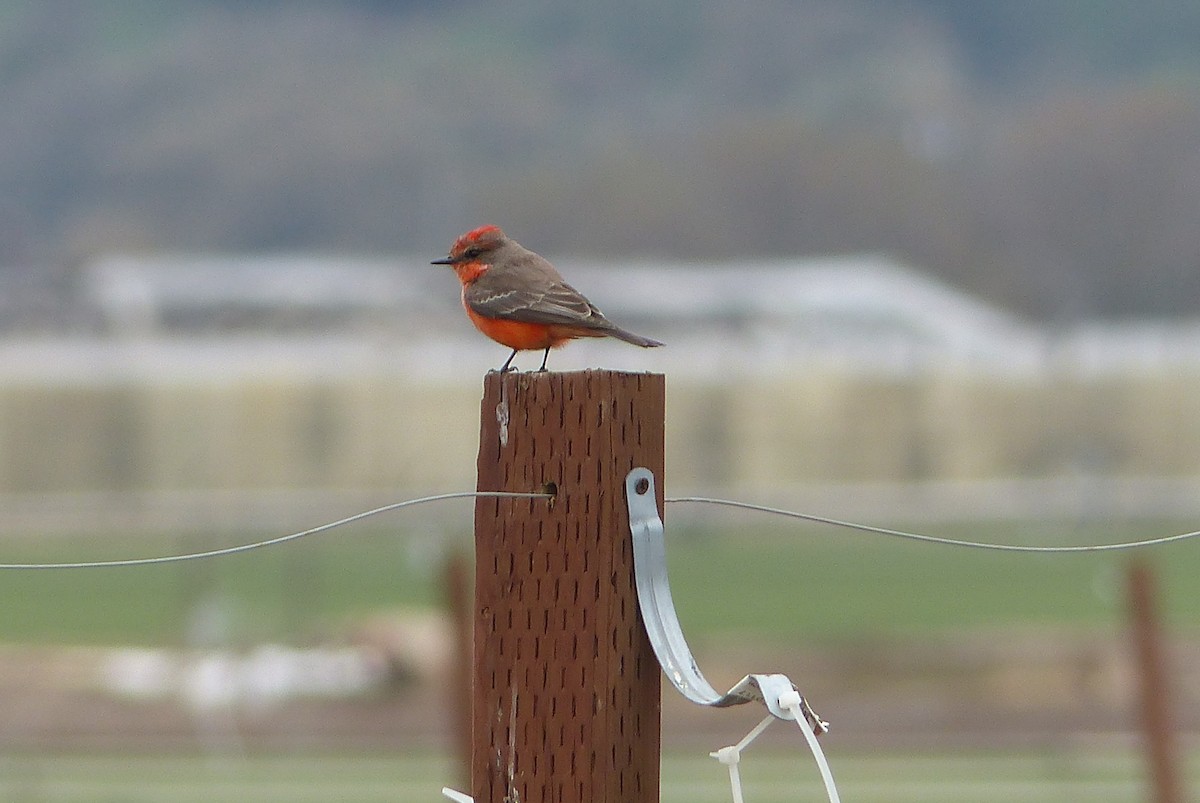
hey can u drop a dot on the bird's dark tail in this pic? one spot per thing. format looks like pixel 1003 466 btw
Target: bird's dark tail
pixel 630 337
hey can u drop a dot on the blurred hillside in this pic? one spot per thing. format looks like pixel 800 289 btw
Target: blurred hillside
pixel 1043 155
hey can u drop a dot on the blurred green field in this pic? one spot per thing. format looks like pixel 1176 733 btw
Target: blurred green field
pixel 732 582
pixel 729 580
pixel 835 584
pixel 768 777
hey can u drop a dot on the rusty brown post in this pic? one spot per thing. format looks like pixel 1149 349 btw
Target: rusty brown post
pixel 566 686
pixel 1155 708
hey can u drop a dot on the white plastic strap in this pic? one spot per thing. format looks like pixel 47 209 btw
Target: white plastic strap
pixel 731 756
pixel 457 797
pixel 793 702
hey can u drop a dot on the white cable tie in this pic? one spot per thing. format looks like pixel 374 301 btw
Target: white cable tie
pixel 791 700
pixel 457 797
pixel 730 756
pixel 735 784
pixel 818 754
pixel 756 732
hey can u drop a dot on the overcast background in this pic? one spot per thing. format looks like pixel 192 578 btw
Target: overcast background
pixel 1043 155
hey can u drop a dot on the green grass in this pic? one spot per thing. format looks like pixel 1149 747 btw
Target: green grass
pixel 768 777
pixel 775 777
pixel 745 582
pixel 836 584
pixel 292 592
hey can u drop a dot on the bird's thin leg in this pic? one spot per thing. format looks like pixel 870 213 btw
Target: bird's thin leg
pixel 545 357
pixel 508 362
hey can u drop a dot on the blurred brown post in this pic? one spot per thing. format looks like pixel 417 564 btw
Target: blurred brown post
pixel 566 686
pixel 1155 706
pixel 458 601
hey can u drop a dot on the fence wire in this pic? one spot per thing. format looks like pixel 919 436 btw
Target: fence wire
pixel 933 539
pixel 731 503
pixel 282 539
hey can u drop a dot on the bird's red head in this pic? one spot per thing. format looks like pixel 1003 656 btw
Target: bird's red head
pixel 468 254
pixel 482 239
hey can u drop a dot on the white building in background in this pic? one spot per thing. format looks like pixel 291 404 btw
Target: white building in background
pixel 864 313
pixel 860 313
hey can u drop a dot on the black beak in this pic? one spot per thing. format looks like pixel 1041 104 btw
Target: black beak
pixel 443 261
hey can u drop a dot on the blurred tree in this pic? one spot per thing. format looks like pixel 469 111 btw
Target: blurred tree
pixel 1020 40
pixel 1089 200
pixel 1041 153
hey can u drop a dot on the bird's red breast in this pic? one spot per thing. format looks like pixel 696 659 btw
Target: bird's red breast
pixel 522 335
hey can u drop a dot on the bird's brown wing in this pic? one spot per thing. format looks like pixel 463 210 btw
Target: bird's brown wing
pixel 531 291
pixel 558 304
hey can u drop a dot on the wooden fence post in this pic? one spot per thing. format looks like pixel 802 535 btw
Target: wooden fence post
pixel 566 693
pixel 1154 696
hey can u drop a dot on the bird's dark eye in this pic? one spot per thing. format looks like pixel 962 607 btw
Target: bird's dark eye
pixel 471 252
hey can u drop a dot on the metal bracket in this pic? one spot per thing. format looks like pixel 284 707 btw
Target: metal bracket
pixel 662 623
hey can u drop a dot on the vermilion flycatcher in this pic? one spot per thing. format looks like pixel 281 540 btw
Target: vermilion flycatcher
pixel 517 298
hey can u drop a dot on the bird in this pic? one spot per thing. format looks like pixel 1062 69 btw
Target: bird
pixel 518 299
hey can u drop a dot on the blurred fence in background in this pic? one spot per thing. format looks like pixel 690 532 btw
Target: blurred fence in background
pixel 245 430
